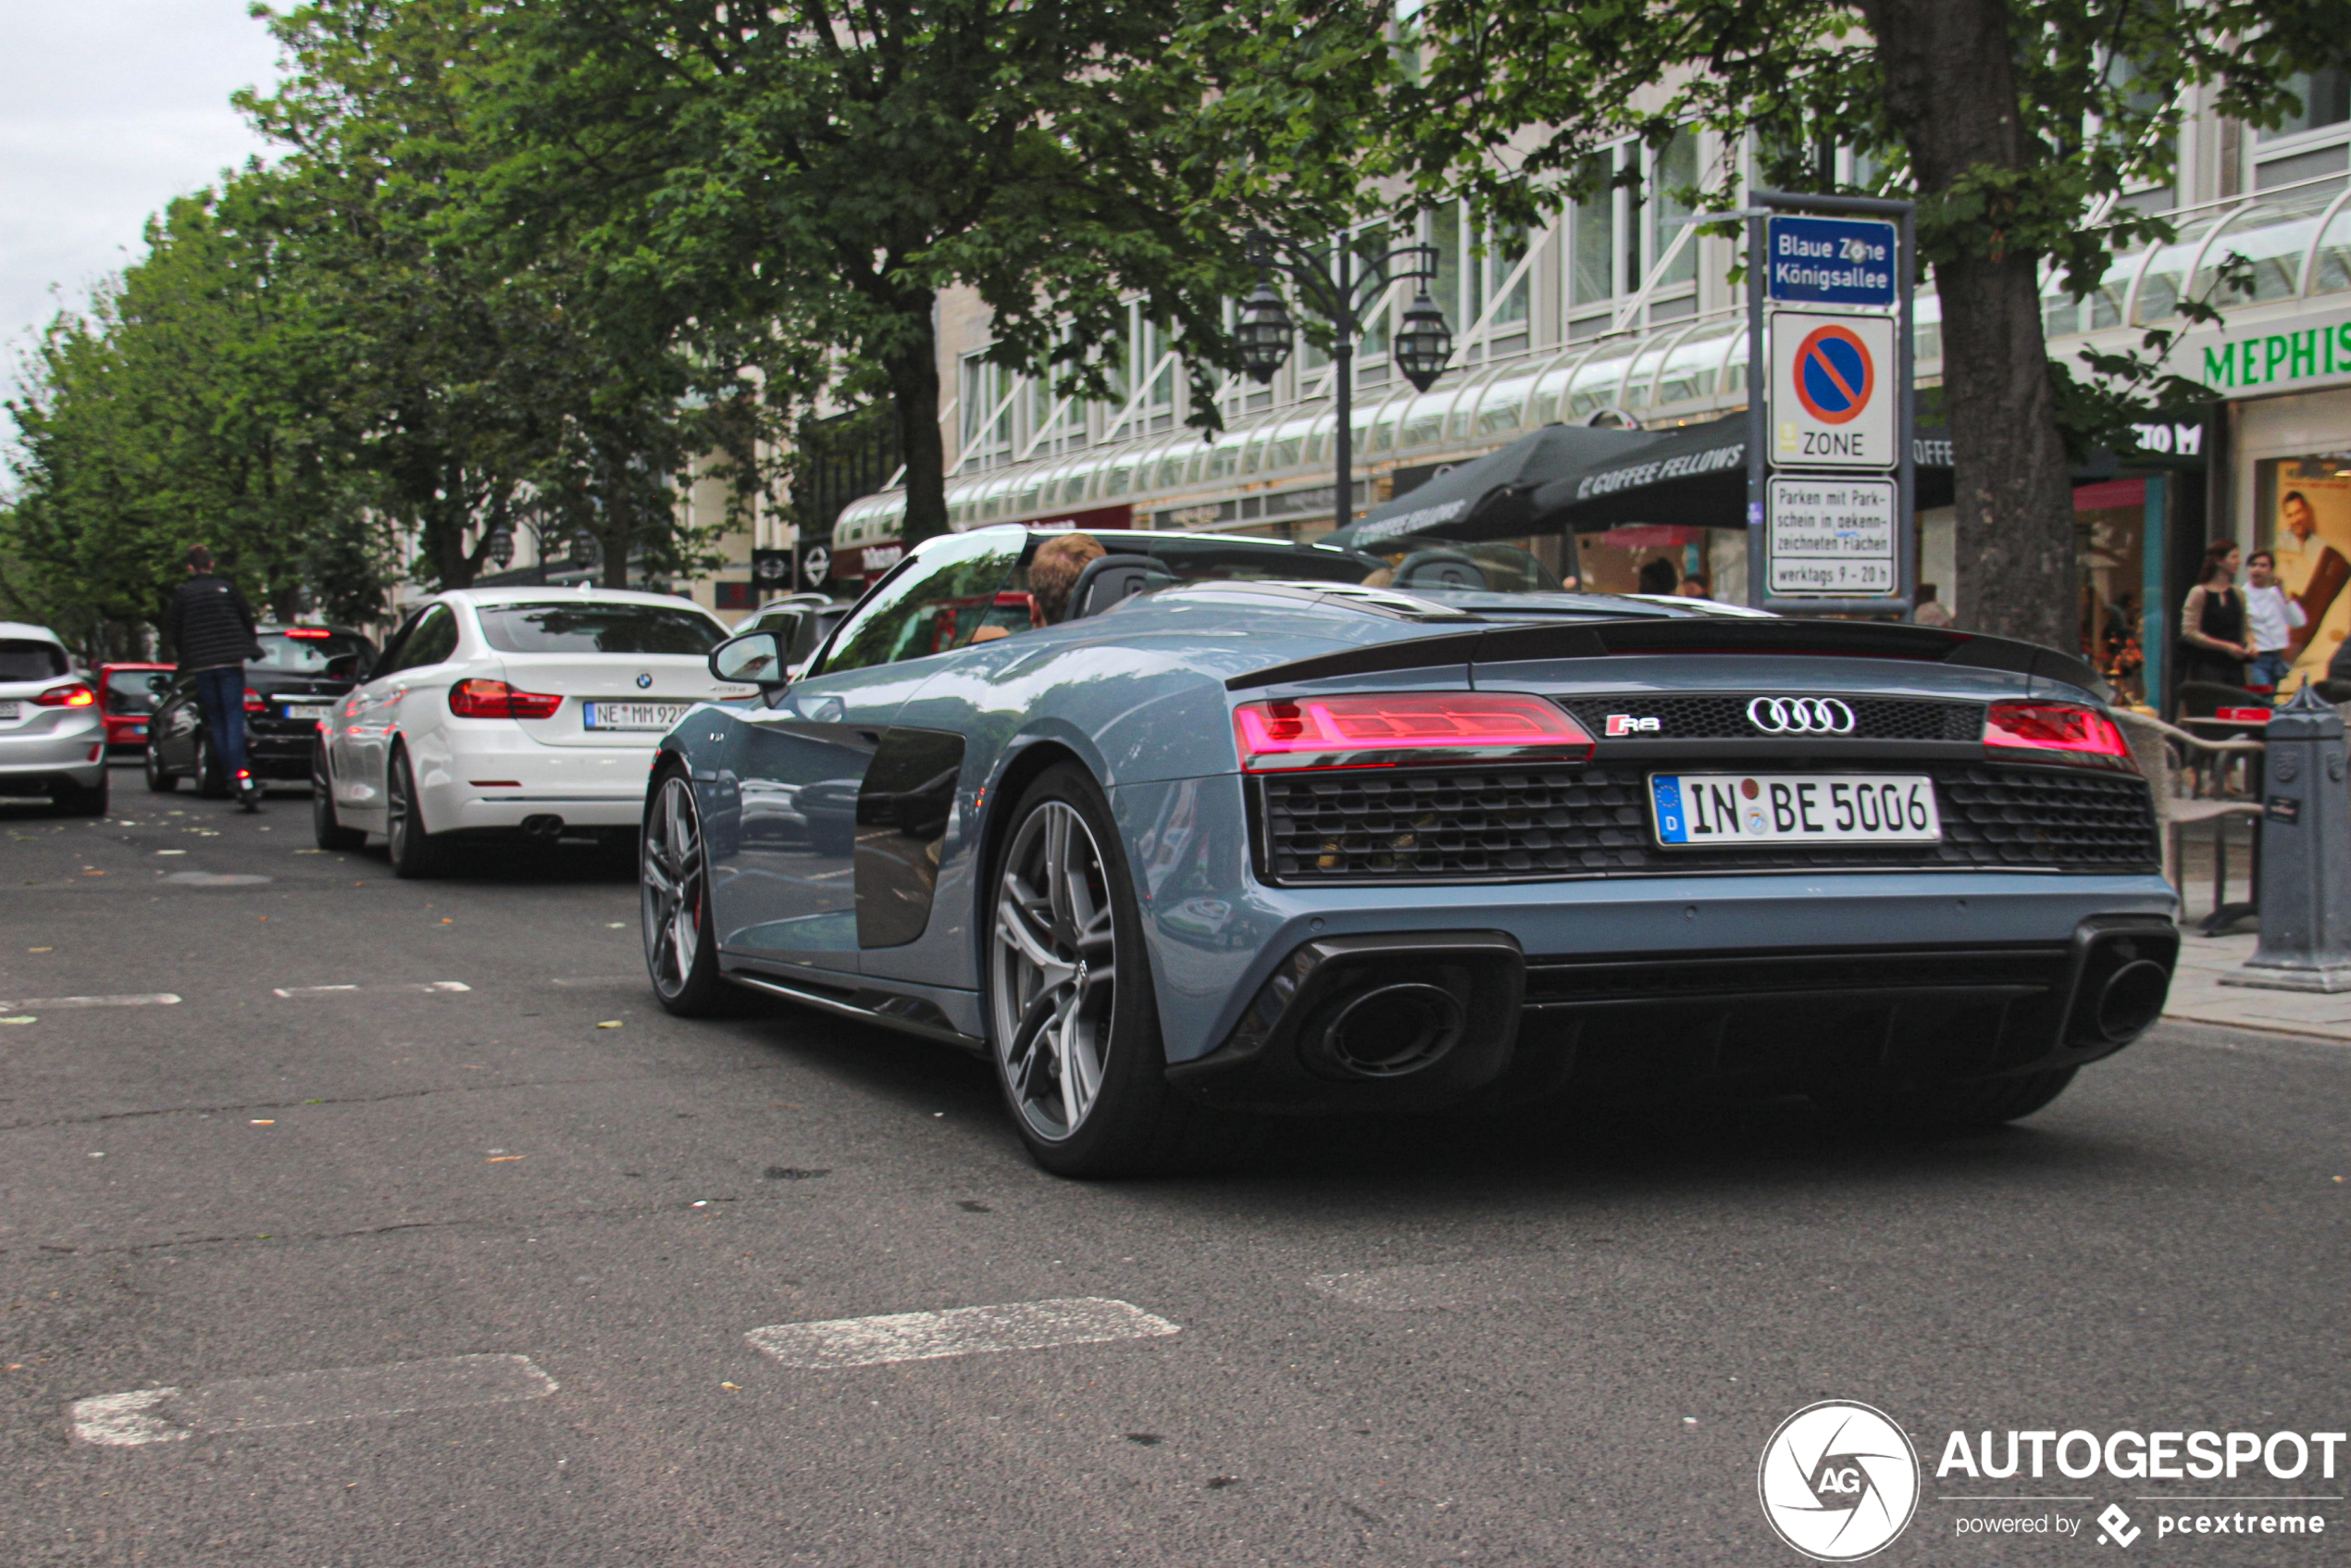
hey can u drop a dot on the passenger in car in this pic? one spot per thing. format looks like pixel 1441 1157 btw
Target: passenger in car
pixel 1054 571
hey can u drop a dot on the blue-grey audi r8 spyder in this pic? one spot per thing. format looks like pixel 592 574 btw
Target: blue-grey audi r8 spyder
pixel 1180 829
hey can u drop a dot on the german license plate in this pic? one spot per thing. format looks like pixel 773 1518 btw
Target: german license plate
pixel 11 710
pixel 632 715
pixel 1694 809
pixel 310 710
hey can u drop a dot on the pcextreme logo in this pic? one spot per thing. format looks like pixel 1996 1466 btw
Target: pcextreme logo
pixel 1838 1481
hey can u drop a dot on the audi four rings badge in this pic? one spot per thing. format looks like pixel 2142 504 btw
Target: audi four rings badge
pixel 1800 715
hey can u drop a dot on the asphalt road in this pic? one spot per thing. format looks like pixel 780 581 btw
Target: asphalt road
pixel 539 1218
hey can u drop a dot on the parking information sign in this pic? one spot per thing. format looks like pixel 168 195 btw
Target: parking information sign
pixel 1833 393
pixel 1831 261
pixel 1832 538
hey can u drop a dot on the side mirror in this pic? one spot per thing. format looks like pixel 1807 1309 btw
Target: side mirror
pixel 755 658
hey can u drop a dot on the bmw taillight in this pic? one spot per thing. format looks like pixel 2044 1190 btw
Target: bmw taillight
pixel 495 699
pixel 1396 728
pixel 2060 731
pixel 75 696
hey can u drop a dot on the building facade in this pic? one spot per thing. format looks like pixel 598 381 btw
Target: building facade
pixel 1620 312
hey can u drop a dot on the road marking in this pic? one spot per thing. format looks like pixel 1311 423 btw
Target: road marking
pixel 427 985
pixel 303 1398
pixel 963 1331
pixel 216 880
pixel 1428 1287
pixel 149 998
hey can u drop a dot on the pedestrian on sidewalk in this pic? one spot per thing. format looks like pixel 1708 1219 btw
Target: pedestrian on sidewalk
pixel 2272 617
pixel 2212 622
pixel 212 630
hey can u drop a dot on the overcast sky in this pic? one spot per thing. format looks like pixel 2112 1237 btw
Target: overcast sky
pixel 108 108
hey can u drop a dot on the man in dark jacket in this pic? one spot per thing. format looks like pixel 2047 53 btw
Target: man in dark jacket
pixel 212 628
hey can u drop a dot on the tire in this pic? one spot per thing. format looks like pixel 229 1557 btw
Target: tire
pixel 159 781
pixel 673 901
pixel 1982 1102
pixel 75 800
pixel 1072 1023
pixel 212 778
pixel 414 852
pixel 324 826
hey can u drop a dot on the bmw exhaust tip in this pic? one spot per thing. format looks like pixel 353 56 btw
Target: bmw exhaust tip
pixel 1386 1031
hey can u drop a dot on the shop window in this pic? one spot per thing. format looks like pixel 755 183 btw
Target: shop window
pixel 2302 511
pixel 2107 542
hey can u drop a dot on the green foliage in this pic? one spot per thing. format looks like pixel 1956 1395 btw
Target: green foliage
pixel 185 407
pixel 835 170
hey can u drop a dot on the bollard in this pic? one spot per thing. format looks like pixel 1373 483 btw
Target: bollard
pixel 2306 854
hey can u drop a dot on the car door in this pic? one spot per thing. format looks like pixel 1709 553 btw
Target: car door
pixel 370 718
pixel 172 730
pixel 787 891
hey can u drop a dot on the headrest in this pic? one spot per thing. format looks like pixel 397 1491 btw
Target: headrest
pixel 1110 579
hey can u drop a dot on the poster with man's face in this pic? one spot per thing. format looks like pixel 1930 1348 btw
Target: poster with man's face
pixel 2310 523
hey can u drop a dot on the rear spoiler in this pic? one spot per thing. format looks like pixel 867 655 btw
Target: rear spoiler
pixel 1601 639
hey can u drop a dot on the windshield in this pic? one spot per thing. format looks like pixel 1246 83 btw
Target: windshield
pixel 304 650
pixel 598 627
pixel 136 691
pixel 24 659
pixel 1409 563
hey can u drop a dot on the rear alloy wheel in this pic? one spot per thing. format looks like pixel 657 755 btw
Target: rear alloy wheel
pixel 414 852
pixel 162 783
pixel 212 778
pixel 1074 1026
pixel 673 880
pixel 325 826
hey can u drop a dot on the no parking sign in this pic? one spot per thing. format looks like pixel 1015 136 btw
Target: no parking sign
pixel 1833 397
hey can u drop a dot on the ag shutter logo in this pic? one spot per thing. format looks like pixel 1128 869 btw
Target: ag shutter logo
pixel 1838 1481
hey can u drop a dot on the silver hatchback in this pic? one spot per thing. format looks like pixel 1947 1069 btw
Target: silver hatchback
pixel 52 734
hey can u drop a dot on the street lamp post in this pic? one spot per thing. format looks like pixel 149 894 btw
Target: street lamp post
pixel 1332 287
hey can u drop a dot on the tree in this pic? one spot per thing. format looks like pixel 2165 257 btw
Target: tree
pixel 832 169
pixel 184 407
pixel 490 366
pixel 2013 122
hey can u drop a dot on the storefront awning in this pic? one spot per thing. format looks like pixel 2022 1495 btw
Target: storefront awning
pixel 1491 497
pixel 1694 477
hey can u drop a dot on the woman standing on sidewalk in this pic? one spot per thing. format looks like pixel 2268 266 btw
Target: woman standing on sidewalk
pixel 2212 623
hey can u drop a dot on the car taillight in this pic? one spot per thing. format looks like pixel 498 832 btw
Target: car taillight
pixel 308 631
pixel 2060 730
pixel 495 699
pixel 66 697
pixel 1404 726
pixel 254 701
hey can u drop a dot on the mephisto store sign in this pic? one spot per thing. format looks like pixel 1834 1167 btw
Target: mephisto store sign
pixel 2294 355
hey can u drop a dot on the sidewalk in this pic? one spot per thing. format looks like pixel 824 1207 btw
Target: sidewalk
pixel 2198 996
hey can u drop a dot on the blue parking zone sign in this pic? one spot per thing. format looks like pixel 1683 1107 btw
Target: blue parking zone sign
pixel 1830 260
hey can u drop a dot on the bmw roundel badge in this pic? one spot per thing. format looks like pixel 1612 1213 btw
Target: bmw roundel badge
pixel 645 681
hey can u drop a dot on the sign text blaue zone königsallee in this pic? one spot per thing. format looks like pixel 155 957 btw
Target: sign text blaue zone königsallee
pixel 1831 261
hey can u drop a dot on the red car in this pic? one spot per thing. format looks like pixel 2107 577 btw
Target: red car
pixel 128 694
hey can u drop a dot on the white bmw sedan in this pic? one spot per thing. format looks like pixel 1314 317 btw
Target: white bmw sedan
pixel 507 710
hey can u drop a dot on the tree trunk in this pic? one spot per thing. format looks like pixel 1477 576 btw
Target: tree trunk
pixel 1950 93
pixel 913 368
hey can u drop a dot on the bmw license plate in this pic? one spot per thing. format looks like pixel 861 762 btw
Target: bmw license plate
pixel 632 715
pixel 11 710
pixel 310 710
pixel 1694 809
